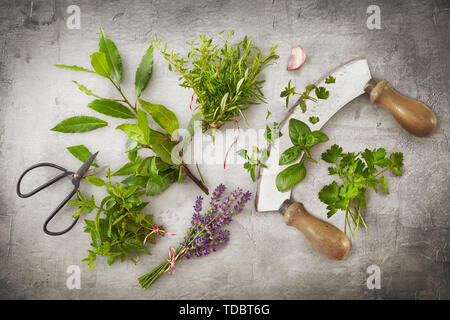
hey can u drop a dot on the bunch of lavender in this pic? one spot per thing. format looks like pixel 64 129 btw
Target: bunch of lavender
pixel 204 234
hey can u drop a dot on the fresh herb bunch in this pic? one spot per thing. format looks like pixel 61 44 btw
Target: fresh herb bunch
pixel 320 92
pixel 107 63
pixel 224 77
pixel 357 171
pixel 302 139
pixel 119 228
pixel 205 233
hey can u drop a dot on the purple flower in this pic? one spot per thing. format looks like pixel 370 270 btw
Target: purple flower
pixel 205 235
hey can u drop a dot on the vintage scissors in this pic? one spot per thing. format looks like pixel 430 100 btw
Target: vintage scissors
pixel 75 178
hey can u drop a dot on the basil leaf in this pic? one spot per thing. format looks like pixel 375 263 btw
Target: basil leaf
pixel 112 56
pixel 81 153
pixel 314 138
pixel 74 68
pixel 165 118
pixel 100 65
pixel 298 131
pixel 144 71
pixel 290 155
pixel 96 181
pixel 290 176
pixel 79 124
pixel 111 108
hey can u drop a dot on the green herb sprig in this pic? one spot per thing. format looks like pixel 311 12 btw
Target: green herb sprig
pixel 224 77
pixel 302 139
pixel 119 228
pixel 320 92
pixel 357 172
pixel 259 156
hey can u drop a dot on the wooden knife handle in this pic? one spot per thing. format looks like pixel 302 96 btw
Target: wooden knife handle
pixel 324 237
pixel 411 114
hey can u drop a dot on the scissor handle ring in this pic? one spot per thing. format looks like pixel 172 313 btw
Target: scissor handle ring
pixel 62 204
pixel 64 173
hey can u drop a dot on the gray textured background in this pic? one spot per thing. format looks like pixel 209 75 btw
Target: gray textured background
pixel 409 229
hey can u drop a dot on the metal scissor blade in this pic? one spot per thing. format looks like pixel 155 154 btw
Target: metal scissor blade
pixel 85 166
pixel 94 171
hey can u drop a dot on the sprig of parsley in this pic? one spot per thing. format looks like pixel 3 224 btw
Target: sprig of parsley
pixel 357 171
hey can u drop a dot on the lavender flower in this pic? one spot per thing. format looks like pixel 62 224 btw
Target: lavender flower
pixel 204 235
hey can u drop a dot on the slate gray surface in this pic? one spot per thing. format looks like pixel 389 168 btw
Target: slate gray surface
pixel 409 228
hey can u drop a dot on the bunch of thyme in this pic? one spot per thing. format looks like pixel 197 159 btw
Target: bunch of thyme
pixel 224 78
pixel 205 233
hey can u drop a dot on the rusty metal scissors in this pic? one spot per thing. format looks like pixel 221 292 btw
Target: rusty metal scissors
pixel 75 178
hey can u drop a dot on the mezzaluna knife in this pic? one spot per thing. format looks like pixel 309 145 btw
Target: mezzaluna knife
pixel 352 80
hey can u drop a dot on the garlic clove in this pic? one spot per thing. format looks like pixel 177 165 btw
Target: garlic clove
pixel 297 58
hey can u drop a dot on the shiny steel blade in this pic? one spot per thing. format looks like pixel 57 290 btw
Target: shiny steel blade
pixel 351 80
pixel 94 171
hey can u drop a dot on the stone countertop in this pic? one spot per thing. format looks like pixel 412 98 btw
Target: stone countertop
pixel 409 228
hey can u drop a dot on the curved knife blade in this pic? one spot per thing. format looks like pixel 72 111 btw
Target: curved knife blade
pixel 351 80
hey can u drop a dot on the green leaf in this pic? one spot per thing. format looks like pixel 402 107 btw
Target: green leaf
pixel 111 259
pixel 314 138
pixel 330 79
pixel 81 153
pixel 396 160
pixel 111 108
pixel 165 118
pixel 79 124
pixel 298 131
pixel 243 153
pixel 164 151
pixel 383 183
pixel 137 181
pixel 100 65
pixel 135 246
pixel 322 93
pixel 290 176
pixel 74 68
pixel 290 155
pixel 196 117
pixel 134 132
pixel 86 90
pixel 127 169
pixel 314 120
pixel 302 105
pixel 155 185
pixel 144 72
pixel 330 193
pixel 96 181
pixel 112 56
pixel 143 125
pixel 332 154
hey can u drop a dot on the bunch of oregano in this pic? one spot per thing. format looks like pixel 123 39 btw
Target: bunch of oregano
pixel 120 227
pixel 224 77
